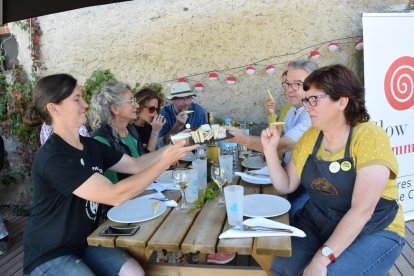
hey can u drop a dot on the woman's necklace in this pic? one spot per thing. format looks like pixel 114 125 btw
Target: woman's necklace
pixel 123 133
pixel 332 142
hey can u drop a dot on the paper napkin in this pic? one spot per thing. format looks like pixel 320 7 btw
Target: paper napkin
pixel 235 232
pixel 162 186
pixel 170 203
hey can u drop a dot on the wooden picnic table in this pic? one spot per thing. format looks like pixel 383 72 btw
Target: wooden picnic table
pixel 197 232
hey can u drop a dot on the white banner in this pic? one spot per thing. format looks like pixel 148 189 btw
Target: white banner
pixel 389 83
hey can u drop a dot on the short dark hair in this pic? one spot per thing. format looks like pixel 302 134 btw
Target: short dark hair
pixel 338 81
pixel 49 89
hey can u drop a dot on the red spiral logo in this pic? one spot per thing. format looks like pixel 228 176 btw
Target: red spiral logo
pixel 399 83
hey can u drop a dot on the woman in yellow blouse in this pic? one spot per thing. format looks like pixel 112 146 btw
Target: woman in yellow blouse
pixel 353 222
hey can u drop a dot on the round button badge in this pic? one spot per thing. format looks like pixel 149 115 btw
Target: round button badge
pixel 334 167
pixel 346 166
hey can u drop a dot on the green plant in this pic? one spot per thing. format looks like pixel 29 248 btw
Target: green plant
pixel 95 82
pixel 211 192
pixel 14 101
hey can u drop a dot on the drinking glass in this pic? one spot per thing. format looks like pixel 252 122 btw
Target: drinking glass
pixel 226 162
pixel 218 174
pixel 213 152
pixel 244 152
pixel 181 179
pixel 201 152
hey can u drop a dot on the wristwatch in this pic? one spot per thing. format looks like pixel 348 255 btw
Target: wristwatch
pixel 328 252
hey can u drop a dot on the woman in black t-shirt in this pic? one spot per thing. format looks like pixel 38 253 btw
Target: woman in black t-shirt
pixel 68 185
pixel 149 121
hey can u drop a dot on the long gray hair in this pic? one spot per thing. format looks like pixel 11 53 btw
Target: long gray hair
pixel 100 113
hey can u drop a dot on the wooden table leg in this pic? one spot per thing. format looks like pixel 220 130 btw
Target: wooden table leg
pixel 202 258
pixel 265 261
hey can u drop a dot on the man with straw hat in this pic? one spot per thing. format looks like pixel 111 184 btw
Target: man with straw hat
pixel 182 112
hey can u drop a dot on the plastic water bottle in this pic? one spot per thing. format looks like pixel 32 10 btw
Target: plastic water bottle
pixel 231 148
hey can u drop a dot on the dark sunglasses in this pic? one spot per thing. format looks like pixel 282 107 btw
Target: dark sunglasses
pixel 152 109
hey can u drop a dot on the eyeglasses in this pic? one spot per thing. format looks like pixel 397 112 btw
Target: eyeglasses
pixel 132 101
pixel 152 109
pixel 183 98
pixel 313 100
pixel 295 86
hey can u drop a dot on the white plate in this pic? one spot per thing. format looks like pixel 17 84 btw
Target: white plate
pixel 254 162
pixel 136 210
pixel 261 180
pixel 190 157
pixel 264 205
pixel 165 177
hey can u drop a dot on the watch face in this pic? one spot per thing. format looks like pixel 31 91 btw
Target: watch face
pixel 326 251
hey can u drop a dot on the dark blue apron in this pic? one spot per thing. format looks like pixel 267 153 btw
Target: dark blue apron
pixel 330 185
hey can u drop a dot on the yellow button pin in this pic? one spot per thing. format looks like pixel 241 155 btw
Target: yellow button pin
pixel 346 166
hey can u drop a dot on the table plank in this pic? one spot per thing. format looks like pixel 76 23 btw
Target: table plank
pixel 280 246
pixel 205 230
pixel 172 231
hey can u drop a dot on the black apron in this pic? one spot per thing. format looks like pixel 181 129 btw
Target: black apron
pixel 330 185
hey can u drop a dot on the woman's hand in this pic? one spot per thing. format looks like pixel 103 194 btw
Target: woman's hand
pixel 158 122
pixel 270 139
pixel 270 107
pixel 173 153
pixel 317 266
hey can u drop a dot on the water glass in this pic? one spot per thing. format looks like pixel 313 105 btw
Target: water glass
pixel 226 162
pixel 181 179
pixel 201 152
pixel 218 174
pixel 234 204
pixel 200 165
pixel 191 192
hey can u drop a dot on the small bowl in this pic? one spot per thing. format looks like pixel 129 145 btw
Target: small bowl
pixel 177 138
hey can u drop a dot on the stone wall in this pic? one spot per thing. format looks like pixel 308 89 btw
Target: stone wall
pixel 157 40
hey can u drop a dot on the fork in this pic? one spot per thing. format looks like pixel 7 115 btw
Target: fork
pixel 263 228
pixel 256 174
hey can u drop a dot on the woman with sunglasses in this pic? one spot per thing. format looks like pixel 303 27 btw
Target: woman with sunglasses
pixel 352 221
pixel 68 186
pixel 149 121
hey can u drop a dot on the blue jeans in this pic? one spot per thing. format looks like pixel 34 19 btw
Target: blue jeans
pixel 3 230
pixel 373 254
pixel 96 260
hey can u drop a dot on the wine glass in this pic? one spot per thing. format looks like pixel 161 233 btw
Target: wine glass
pixel 219 176
pixel 244 152
pixel 181 179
